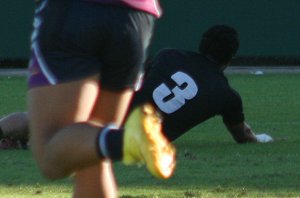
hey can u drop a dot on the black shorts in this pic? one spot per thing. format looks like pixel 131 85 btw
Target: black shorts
pixel 74 39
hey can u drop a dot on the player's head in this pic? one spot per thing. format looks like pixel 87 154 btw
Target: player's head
pixel 221 43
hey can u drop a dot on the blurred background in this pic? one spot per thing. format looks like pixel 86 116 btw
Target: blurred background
pixel 269 29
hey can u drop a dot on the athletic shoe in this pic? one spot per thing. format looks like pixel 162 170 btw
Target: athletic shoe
pixel 144 143
pixel 7 143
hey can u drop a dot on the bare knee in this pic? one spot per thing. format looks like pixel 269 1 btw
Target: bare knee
pixel 47 164
pixel 50 170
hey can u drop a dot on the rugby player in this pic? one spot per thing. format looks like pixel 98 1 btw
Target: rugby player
pixel 86 59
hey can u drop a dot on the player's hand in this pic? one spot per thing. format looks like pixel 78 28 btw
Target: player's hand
pixel 264 138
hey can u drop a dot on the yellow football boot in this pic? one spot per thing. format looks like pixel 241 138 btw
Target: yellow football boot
pixel 145 143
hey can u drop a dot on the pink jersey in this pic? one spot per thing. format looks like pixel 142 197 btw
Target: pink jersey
pixel 150 6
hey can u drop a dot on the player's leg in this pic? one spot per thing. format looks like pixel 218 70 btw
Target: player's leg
pixel 62 140
pixel 54 110
pixel 95 181
pixel 143 142
pixel 98 180
pixel 62 150
pixel 64 85
pixel 125 55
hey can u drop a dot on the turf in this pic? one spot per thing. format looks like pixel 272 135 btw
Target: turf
pixel 209 164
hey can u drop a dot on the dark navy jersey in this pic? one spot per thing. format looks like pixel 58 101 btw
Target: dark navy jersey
pixel 188 88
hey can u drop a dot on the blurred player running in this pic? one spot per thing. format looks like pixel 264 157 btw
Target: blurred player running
pixel 86 59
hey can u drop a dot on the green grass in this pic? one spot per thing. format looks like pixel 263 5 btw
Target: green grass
pixel 12 94
pixel 209 164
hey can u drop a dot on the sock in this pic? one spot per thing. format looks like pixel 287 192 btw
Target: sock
pixel 110 143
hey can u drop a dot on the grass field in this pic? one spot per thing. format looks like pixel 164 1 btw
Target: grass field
pixel 209 164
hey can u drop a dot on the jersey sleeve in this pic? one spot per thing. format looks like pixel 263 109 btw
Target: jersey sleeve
pixel 233 110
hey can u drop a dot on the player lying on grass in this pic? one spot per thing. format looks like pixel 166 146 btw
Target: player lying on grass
pixel 14 131
pixel 187 88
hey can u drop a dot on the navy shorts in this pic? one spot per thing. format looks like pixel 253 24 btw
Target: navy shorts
pixel 74 39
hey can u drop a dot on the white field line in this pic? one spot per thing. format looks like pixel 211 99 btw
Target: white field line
pixel 263 69
pixel 231 70
pixel 13 72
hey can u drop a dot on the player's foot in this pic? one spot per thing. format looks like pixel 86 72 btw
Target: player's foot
pixel 144 143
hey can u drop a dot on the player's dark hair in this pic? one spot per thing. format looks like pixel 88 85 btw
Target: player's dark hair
pixel 220 42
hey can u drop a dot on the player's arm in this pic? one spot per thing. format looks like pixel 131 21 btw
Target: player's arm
pixel 242 133
pixel 234 119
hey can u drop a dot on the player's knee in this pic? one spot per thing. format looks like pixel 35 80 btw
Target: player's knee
pixel 48 167
pixel 50 171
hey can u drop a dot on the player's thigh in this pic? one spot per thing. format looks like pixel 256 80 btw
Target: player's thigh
pixel 51 108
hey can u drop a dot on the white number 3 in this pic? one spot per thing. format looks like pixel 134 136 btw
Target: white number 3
pixel 170 100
